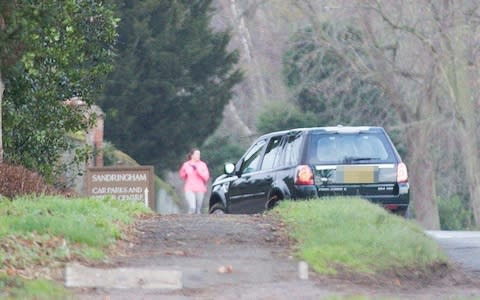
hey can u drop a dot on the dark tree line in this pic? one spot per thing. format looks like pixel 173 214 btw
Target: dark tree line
pixel 173 76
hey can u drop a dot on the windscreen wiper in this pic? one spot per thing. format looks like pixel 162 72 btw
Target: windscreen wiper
pixel 355 159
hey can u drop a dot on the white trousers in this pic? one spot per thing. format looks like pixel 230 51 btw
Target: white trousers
pixel 195 201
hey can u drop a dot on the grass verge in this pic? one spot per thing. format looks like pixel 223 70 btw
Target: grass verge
pixel 38 235
pixel 15 287
pixel 352 234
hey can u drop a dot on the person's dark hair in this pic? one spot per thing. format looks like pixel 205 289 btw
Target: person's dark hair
pixel 189 155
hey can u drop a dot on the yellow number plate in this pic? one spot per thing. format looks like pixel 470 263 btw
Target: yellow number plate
pixel 359 174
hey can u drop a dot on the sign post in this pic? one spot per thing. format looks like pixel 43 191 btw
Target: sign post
pixel 146 197
pixel 122 183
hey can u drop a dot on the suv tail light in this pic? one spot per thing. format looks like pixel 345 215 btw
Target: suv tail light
pixel 304 175
pixel 402 174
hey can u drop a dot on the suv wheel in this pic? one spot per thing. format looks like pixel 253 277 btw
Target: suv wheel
pixel 272 201
pixel 217 209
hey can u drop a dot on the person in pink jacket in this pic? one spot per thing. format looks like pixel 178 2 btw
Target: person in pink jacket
pixel 195 175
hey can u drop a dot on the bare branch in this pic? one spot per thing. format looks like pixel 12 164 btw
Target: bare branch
pixel 405 28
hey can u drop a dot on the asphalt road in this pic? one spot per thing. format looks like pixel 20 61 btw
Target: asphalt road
pixel 461 246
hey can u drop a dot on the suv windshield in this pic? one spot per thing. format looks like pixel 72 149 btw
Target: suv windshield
pixel 349 148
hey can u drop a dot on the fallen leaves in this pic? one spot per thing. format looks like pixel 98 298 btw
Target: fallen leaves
pixel 176 253
pixel 26 255
pixel 225 269
pixel 11 271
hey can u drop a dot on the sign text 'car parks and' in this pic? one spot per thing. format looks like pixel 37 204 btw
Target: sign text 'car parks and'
pixel 122 183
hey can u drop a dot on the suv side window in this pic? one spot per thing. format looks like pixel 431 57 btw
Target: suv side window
pixel 251 160
pixel 292 149
pixel 271 153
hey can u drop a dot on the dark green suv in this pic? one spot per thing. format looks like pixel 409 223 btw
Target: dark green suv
pixel 311 163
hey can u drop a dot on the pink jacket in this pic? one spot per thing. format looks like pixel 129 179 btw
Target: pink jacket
pixel 195 175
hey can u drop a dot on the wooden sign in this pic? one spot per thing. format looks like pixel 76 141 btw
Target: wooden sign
pixel 122 183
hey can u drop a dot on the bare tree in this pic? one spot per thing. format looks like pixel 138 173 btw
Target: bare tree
pixel 457 24
pixel 425 54
pixel 383 65
pixel 411 55
pixel 406 69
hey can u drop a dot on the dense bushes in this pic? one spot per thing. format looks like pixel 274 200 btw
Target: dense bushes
pixel 454 214
pixel 17 180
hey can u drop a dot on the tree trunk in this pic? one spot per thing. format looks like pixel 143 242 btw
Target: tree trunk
pixel 422 178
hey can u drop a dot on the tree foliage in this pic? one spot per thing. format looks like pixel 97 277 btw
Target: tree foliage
pixel 173 77
pixel 219 150
pixel 282 116
pixel 50 53
pixel 319 69
pixel 328 88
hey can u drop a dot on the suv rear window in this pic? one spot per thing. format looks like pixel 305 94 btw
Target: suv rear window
pixel 349 148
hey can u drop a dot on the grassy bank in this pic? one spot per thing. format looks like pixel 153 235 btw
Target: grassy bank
pixel 355 235
pixel 39 235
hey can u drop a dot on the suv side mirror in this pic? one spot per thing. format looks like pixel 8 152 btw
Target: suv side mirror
pixel 228 168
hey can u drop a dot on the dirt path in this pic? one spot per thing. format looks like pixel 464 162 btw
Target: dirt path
pixel 248 257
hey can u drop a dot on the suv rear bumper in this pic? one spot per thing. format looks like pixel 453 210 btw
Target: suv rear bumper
pixel 402 199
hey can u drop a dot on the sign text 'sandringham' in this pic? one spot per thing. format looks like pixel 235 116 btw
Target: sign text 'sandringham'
pixel 122 183
pixel 119 177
